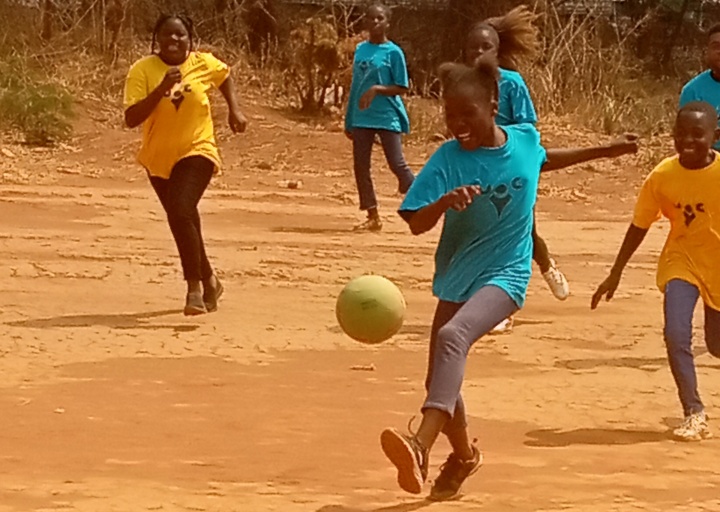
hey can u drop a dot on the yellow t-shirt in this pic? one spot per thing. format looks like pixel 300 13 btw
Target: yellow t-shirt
pixel 181 124
pixel 690 199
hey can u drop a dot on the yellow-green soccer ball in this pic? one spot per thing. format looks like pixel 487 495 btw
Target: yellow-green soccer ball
pixel 370 309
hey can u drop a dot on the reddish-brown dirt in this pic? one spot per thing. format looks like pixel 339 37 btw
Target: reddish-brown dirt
pixel 111 400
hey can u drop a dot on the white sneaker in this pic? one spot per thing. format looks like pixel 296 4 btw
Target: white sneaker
pixel 556 282
pixel 504 327
pixel 693 428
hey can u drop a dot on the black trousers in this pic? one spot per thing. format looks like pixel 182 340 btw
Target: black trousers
pixel 179 196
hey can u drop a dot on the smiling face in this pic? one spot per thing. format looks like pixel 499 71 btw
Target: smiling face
pixel 695 133
pixel 481 43
pixel 377 23
pixel 174 41
pixel 470 117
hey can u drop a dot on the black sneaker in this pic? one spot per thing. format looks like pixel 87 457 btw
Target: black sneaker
pixel 409 457
pixel 452 475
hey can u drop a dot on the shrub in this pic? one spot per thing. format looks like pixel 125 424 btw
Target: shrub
pixel 40 111
pixel 314 62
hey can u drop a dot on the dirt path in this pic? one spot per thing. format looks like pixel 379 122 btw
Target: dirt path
pixel 110 400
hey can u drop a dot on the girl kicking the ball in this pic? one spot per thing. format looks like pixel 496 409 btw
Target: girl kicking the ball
pixel 484 184
pixel 375 108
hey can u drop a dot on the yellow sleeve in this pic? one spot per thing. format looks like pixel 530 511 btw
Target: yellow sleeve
pixel 136 86
pixel 219 71
pixel 647 208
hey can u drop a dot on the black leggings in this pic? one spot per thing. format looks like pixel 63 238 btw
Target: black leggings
pixel 179 196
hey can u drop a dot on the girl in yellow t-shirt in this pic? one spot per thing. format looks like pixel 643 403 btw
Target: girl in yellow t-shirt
pixel 167 93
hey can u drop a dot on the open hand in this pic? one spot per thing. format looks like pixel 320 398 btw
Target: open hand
pixel 367 98
pixel 624 145
pixel 462 197
pixel 238 122
pixel 606 289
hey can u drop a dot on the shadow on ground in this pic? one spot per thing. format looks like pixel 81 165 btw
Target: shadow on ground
pixel 117 321
pixel 555 438
pixel 401 507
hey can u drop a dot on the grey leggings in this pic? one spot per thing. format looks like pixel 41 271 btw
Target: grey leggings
pixel 456 327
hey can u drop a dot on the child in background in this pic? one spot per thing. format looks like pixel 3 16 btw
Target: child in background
pixel 686 190
pixel 375 108
pixel 706 86
pixel 509 39
pixel 484 184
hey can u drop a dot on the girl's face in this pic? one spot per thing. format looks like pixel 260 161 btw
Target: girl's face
pixel 376 22
pixel 480 43
pixel 695 133
pixel 712 53
pixel 470 118
pixel 174 41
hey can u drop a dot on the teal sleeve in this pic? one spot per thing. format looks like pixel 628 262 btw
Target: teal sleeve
pixel 429 185
pixel 686 96
pixel 398 68
pixel 522 104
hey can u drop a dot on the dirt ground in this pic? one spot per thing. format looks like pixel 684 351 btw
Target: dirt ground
pixel 111 400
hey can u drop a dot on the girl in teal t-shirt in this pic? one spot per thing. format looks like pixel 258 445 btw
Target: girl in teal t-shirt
pixel 508 39
pixel 484 185
pixel 375 109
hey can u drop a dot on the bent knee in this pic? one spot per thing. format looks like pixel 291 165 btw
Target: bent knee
pixel 450 340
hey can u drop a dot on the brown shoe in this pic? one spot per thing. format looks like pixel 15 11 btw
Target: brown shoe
pixel 409 457
pixel 194 304
pixel 372 224
pixel 212 294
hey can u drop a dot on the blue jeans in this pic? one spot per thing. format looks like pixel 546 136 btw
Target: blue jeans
pixel 363 139
pixel 456 327
pixel 680 300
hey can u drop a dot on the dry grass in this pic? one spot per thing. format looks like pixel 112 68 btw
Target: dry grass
pixel 582 76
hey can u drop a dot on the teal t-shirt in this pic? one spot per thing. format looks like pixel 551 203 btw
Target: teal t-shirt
pixel 702 88
pixel 490 242
pixel 515 104
pixel 378 64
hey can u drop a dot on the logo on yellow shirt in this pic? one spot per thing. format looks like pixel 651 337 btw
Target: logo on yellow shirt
pixel 177 94
pixel 690 212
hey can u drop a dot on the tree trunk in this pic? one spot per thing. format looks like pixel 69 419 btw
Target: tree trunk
pixel 47 14
pixel 670 43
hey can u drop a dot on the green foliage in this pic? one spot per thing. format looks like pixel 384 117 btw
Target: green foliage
pixel 40 110
pixel 315 60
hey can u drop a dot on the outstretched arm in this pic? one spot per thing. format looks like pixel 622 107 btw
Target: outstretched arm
pixel 237 120
pixel 633 238
pixel 561 158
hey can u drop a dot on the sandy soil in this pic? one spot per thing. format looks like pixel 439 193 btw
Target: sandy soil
pixel 111 400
